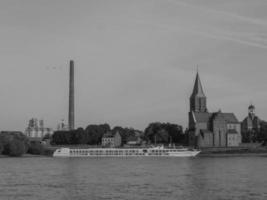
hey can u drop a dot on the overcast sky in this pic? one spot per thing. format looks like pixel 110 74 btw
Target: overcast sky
pixel 135 60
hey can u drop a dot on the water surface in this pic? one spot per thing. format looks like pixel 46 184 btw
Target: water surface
pixel 133 178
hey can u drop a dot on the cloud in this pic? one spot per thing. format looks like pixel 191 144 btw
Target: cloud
pixel 215 31
pixel 223 13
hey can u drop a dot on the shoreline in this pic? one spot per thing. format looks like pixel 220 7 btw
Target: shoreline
pixel 199 155
pixel 232 154
pixel 236 152
pixel 27 155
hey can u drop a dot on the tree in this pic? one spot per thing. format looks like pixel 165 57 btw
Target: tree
pixel 62 137
pixel 124 132
pixel 164 133
pixel 16 148
pixel 1 147
pixel 36 148
pixel 14 143
pixel 175 133
pixel 155 133
pixel 91 135
pixel 94 133
pixel 263 132
pixel 47 137
pixel 79 137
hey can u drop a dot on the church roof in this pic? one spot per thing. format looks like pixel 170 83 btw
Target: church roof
pixel 202 116
pixel 250 119
pixel 197 90
pixel 205 117
pixel 110 134
pixel 230 117
pixel 132 138
pixel 232 131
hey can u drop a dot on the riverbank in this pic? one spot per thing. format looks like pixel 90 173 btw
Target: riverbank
pixel 206 152
pixel 235 151
pixel 233 155
pixel 27 155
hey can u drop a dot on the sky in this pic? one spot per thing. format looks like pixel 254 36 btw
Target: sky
pixel 135 60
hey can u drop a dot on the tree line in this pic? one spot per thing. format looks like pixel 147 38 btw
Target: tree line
pixel 92 135
pixel 15 144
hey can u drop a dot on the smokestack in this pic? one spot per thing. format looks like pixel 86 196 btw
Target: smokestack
pixel 71 97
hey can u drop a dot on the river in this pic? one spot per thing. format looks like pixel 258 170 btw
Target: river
pixel 38 178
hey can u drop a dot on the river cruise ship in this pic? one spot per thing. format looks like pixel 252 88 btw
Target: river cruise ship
pixel 125 152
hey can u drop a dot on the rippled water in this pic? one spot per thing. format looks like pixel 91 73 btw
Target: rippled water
pixel 133 178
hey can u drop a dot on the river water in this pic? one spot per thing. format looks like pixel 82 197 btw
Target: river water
pixel 133 178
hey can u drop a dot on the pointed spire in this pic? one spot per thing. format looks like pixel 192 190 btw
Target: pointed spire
pixel 198 90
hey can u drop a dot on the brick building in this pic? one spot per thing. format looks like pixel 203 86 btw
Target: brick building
pixel 207 129
pixel 111 140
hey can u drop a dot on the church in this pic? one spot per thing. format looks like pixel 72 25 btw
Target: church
pixel 210 129
pixel 251 126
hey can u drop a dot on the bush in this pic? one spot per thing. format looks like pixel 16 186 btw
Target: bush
pixel 13 143
pixel 16 148
pixel 36 148
pixel 1 147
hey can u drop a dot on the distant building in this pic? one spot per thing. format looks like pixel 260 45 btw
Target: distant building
pixel 251 125
pixel 36 129
pixel 13 133
pixel 111 140
pixel 134 140
pixel 207 129
pixel 62 126
pixel 251 122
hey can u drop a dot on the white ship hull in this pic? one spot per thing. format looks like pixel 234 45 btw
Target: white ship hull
pixel 121 152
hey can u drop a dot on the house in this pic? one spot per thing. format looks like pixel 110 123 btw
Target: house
pixel 111 140
pixel 134 140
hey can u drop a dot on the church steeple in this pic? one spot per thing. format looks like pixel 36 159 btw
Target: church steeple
pixel 198 90
pixel 198 98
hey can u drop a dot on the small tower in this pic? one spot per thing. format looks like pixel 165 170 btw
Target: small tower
pixel 198 100
pixel 251 111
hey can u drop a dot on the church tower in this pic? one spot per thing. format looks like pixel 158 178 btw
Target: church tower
pixel 198 100
pixel 251 111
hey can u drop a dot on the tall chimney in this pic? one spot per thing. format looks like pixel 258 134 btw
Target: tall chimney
pixel 71 97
